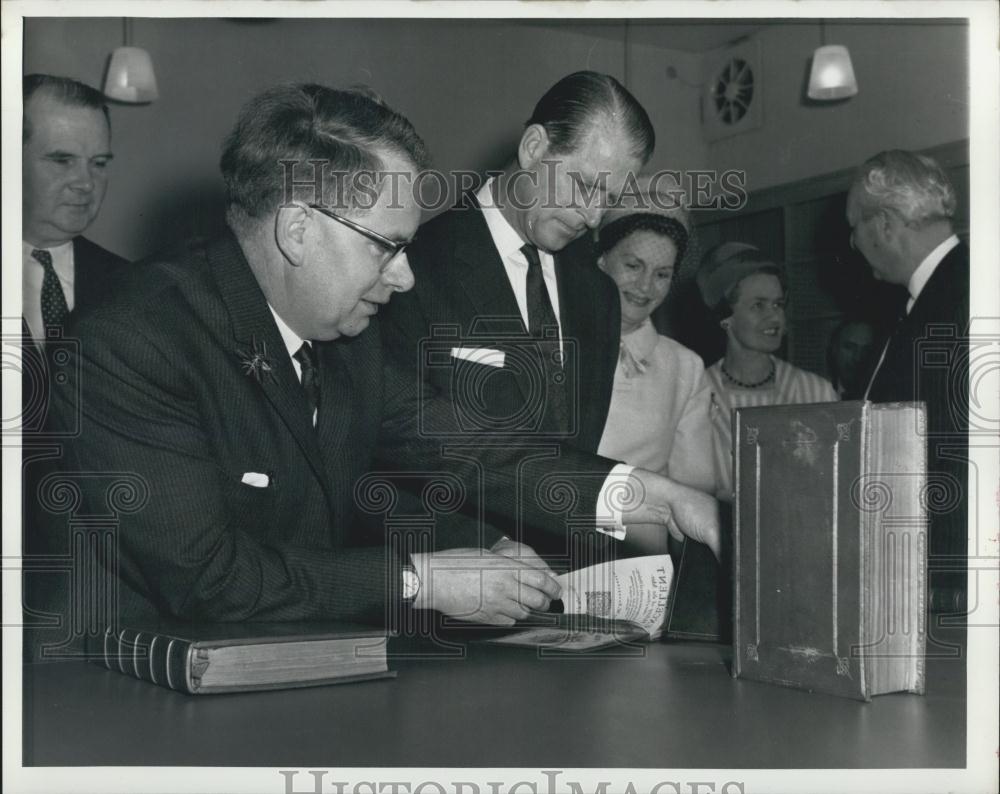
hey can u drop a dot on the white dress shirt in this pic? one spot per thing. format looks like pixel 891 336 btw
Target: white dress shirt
pixel 508 244
pixel 920 276
pixel 32 276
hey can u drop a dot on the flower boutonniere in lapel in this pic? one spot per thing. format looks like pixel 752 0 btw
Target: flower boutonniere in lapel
pixel 255 361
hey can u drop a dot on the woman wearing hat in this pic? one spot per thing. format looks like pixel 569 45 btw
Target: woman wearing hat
pixel 658 418
pixel 746 293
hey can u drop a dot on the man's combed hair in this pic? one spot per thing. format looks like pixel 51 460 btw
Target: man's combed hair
pixel 63 89
pixel 913 185
pixel 302 126
pixel 578 102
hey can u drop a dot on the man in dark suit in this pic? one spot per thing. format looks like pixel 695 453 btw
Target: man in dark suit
pixel 231 395
pixel 230 390
pixel 66 150
pixel 900 208
pixel 532 324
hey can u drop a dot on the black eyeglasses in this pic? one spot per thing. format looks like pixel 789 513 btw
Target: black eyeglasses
pixel 393 248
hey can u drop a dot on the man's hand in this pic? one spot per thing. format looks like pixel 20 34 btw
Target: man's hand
pixel 520 551
pixel 482 587
pixel 684 511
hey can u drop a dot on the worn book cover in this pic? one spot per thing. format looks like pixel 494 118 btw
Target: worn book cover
pixel 829 549
pixel 210 658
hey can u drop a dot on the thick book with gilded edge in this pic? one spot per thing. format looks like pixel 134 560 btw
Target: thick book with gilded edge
pixel 829 557
pixel 210 658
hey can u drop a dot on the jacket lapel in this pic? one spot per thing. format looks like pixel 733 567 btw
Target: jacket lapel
pixel 481 273
pixel 255 334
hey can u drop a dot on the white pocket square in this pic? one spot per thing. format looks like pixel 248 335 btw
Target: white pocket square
pixel 479 355
pixel 256 479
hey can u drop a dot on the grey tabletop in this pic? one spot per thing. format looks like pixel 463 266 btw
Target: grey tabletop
pixel 663 705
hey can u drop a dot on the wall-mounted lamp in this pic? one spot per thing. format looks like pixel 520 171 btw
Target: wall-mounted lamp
pixel 130 73
pixel 832 75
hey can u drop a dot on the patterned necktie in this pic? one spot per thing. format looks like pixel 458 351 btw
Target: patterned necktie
pixel 54 307
pixel 543 325
pixel 309 361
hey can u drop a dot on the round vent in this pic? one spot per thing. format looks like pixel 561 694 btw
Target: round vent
pixel 732 91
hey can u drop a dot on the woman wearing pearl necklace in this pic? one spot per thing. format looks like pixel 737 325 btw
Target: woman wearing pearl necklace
pixel 746 293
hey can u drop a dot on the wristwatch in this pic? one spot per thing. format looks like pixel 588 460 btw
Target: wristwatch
pixel 411 584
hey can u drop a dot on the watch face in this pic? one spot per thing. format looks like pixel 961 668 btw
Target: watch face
pixel 411 584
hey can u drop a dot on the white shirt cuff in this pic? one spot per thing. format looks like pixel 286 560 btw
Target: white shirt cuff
pixel 609 512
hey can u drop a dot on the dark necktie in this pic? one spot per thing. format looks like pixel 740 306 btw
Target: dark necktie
pixel 542 325
pixel 540 313
pixel 309 361
pixel 54 307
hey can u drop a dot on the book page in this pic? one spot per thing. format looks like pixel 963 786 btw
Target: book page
pixel 635 589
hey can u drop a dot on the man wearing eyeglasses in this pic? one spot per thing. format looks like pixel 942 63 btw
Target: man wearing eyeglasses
pixel 900 208
pixel 233 385
pixel 234 390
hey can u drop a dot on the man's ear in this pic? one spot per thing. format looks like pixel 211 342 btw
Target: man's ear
pixel 888 224
pixel 533 146
pixel 600 263
pixel 290 225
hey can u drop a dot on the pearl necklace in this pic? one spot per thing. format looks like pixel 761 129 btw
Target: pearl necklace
pixel 757 385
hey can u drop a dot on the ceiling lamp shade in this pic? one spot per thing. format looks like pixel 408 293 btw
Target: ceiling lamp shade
pixel 130 76
pixel 832 75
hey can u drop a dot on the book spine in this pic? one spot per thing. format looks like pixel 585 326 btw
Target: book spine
pixel 149 657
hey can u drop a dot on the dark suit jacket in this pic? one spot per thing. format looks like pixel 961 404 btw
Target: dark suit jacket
pixel 928 359
pixel 463 298
pixel 173 414
pixel 164 398
pixel 94 268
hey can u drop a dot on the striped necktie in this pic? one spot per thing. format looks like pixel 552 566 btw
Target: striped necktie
pixel 309 361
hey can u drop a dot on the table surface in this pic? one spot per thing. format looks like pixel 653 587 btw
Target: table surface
pixel 663 705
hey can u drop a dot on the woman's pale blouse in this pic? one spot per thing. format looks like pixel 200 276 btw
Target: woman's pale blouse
pixel 659 415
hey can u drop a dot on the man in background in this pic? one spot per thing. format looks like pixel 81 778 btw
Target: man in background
pixel 66 151
pixel 849 355
pixel 532 324
pixel 900 208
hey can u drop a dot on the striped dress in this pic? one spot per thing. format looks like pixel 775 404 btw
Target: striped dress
pixel 790 385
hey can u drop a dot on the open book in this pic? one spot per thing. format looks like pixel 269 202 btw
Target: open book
pixel 613 603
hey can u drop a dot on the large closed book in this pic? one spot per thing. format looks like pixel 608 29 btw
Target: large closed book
pixel 210 658
pixel 829 556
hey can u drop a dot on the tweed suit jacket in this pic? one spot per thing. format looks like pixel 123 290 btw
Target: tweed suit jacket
pixel 184 388
pixel 463 298
pixel 168 396
pixel 927 359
